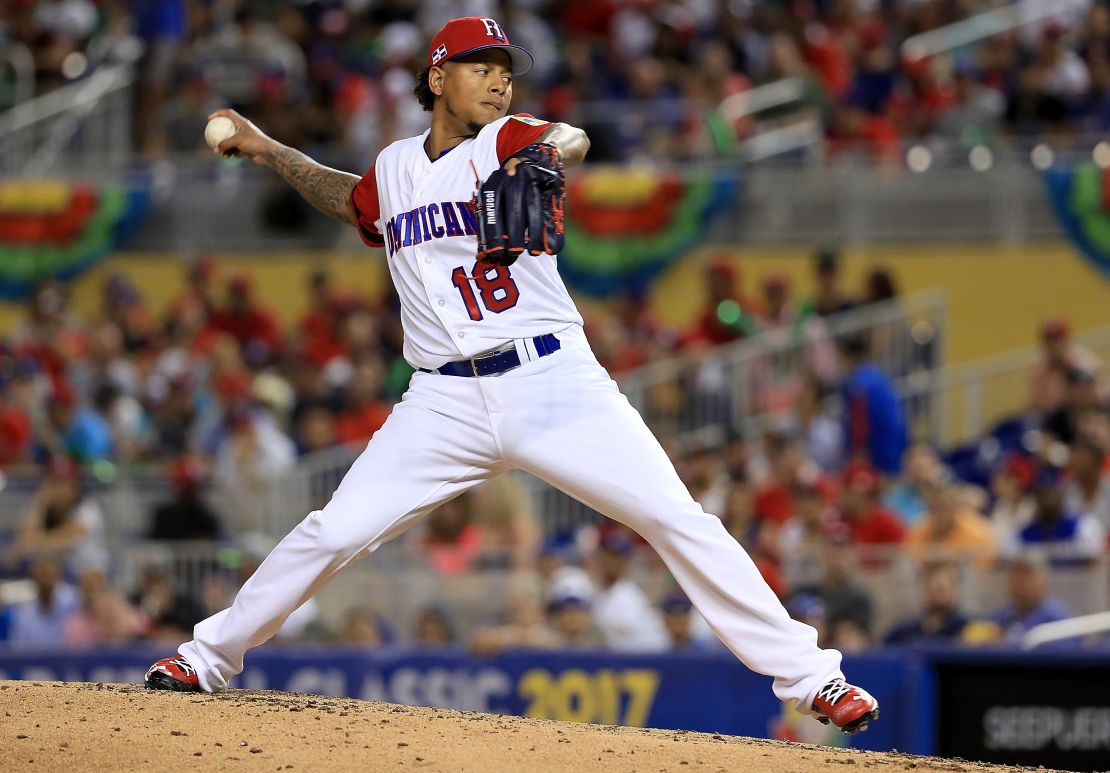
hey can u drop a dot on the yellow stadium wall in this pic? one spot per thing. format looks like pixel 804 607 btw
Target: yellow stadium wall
pixel 997 295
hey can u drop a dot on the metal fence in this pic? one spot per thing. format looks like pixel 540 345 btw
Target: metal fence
pixel 89 119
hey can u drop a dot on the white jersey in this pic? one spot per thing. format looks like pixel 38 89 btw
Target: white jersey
pixel 422 212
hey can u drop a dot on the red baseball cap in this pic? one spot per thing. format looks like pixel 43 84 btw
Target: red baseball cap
pixel 861 477
pixel 460 37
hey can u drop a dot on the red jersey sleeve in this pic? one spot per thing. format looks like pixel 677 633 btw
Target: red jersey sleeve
pixel 520 131
pixel 364 201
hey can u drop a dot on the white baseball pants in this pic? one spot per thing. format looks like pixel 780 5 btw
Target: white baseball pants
pixel 562 419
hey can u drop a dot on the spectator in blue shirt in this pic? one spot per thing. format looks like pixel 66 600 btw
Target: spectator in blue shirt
pixel 875 425
pixel 78 431
pixel 941 619
pixel 1030 603
pixel 1069 538
pixel 40 622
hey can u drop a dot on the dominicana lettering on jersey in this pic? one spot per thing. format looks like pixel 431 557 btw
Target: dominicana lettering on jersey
pixel 437 220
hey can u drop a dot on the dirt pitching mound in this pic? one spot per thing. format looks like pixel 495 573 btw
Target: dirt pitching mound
pixel 68 726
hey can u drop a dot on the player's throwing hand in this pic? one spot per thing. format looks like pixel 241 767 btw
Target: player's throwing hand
pixel 248 141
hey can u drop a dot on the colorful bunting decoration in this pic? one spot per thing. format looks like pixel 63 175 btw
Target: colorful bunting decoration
pixel 58 229
pixel 624 226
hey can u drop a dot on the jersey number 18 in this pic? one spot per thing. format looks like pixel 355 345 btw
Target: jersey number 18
pixel 495 286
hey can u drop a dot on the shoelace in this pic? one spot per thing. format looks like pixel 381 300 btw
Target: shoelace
pixel 834 691
pixel 184 665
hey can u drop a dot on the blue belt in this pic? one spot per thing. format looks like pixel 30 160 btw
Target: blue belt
pixel 498 362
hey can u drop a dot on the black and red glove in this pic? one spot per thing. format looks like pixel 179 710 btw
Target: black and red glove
pixel 523 211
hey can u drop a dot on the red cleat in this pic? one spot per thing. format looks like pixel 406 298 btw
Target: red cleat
pixel 848 707
pixel 173 674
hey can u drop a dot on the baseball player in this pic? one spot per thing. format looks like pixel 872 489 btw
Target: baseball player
pixel 469 215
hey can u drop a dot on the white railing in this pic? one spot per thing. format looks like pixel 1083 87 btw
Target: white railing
pixel 981 26
pixel 92 115
pixel 1073 627
pixel 975 395
pixel 748 385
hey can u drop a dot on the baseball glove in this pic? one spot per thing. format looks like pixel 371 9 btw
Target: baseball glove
pixel 523 211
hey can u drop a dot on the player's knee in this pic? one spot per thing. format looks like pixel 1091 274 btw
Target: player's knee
pixel 334 535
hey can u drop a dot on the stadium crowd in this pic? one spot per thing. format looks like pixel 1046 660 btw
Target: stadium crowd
pixel 221 398
pixel 644 77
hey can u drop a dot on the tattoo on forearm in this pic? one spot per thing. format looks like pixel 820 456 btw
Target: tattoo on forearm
pixel 328 190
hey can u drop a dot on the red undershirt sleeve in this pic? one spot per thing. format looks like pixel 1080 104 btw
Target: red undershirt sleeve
pixel 520 131
pixel 364 202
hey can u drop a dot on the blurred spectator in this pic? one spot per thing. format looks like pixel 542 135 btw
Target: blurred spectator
pixel 1048 381
pixel 1013 506
pixel 524 624
pixel 728 314
pixel 74 429
pixel 364 411
pixel 170 615
pixel 621 610
pixel 801 539
pixel 570 611
pixel 829 297
pixel 15 424
pixel 363 627
pixel 245 320
pixel 941 619
pixel 1067 537
pixel 875 426
pixel 841 595
pixel 788 463
pixel 703 471
pixel 254 452
pixel 1083 396
pixel 434 628
pixel 798 334
pixel 849 635
pixel 1088 487
pixel 950 528
pixel 1029 601
pixel 869 523
pixel 450 540
pixel 104 617
pixel 755 535
pixel 678 621
pixel 511 531
pixel 186 516
pixel 315 428
pixel 921 465
pixel 62 521
pixel 40 623
pixel 198 293
pixel 822 435
pixel 319 327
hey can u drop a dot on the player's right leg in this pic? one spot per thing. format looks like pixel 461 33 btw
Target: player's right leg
pixel 436 444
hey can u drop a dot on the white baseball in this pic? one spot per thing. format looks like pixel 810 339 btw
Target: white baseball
pixel 218 130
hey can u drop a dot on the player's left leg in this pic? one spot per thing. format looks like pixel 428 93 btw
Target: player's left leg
pixel 565 421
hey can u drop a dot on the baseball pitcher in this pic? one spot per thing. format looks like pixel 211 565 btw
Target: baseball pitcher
pixel 470 217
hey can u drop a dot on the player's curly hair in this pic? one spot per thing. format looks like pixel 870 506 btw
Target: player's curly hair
pixel 422 91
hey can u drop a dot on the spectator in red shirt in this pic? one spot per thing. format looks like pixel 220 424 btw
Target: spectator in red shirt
pixel 15 426
pixel 728 315
pixel 364 412
pixel 774 501
pixel 249 323
pixel 198 291
pixel 868 522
